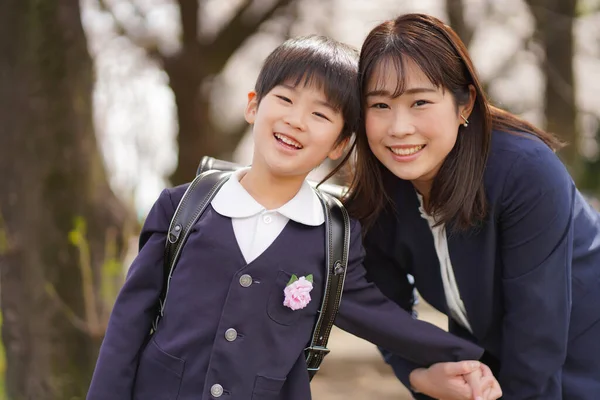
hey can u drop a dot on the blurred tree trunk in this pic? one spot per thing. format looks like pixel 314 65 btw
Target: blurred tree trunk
pixel 53 182
pixel 555 20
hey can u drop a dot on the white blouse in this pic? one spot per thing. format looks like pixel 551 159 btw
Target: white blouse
pixel 456 306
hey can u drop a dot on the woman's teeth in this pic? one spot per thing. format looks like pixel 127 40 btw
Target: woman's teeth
pixel 288 141
pixel 406 151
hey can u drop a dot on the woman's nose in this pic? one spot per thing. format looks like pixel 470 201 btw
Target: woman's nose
pixel 402 125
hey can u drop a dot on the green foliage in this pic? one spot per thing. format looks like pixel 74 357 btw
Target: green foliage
pixel 111 272
pixel 590 178
pixel 77 235
pixel 589 181
pixel 587 7
pixel 97 305
pixel 2 366
pixel 3 237
pixel 293 279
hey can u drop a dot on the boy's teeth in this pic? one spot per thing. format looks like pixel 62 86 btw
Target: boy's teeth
pixel 406 151
pixel 289 141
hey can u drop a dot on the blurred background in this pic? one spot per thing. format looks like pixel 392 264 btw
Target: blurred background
pixel 105 102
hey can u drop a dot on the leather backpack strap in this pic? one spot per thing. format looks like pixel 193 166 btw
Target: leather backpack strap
pixel 192 205
pixel 337 237
pixel 207 163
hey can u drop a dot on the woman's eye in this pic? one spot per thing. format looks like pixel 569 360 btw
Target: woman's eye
pixel 318 114
pixel 380 106
pixel 420 103
pixel 284 98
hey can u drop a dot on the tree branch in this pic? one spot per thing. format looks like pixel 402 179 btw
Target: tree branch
pixel 456 16
pixel 138 34
pixel 189 21
pixel 77 322
pixel 504 67
pixel 239 28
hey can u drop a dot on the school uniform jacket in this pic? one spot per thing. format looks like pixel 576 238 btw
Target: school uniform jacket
pixel 529 275
pixel 225 333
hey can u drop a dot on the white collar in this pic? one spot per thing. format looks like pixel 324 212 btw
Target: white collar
pixel 233 201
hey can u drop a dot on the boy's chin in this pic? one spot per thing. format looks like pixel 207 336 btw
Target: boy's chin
pixel 287 169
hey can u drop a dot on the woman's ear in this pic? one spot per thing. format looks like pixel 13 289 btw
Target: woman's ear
pixel 338 149
pixel 251 107
pixel 466 109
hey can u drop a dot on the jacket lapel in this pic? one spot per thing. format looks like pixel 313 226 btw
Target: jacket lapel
pixel 420 254
pixel 473 256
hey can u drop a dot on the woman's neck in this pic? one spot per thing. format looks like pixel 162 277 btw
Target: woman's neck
pixel 424 189
pixel 269 190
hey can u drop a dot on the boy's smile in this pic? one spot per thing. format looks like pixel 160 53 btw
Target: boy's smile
pixel 287 141
pixel 295 129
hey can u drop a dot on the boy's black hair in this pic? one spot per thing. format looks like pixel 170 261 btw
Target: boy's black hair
pixel 321 61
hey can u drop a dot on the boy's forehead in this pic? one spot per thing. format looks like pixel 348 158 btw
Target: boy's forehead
pixel 304 83
pixel 313 86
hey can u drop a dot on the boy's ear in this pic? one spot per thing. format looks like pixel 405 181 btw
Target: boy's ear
pixel 338 149
pixel 251 107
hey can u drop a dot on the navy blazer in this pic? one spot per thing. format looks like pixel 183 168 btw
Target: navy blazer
pixel 225 332
pixel 529 275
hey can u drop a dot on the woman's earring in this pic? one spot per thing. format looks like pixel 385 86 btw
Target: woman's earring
pixel 466 121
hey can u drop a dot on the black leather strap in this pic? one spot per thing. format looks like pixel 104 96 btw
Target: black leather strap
pixel 337 236
pixel 210 163
pixel 193 203
pixel 207 163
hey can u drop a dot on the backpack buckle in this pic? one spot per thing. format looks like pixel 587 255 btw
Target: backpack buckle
pixel 318 349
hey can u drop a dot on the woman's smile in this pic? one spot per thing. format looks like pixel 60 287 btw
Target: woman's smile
pixel 406 153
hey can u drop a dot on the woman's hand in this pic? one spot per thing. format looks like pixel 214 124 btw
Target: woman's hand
pixel 464 380
pixel 485 380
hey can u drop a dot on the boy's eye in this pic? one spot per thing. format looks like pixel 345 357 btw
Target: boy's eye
pixel 380 106
pixel 283 98
pixel 318 114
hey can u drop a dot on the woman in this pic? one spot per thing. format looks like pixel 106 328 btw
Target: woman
pixel 473 203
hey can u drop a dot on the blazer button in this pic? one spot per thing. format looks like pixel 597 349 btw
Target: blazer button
pixel 230 334
pixel 245 280
pixel 216 390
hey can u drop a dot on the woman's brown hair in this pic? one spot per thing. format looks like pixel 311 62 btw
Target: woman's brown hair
pixel 457 196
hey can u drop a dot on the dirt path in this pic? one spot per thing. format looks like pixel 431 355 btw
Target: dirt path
pixel 354 369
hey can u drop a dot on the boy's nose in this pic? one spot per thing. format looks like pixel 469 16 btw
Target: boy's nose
pixel 296 119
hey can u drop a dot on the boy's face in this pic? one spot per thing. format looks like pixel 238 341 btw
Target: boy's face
pixel 295 129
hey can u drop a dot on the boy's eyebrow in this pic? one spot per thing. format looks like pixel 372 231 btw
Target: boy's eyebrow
pixel 387 93
pixel 328 105
pixel 320 102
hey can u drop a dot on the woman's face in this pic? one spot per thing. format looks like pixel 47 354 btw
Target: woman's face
pixel 413 133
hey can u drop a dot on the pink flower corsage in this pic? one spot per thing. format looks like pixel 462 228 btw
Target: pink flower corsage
pixel 297 292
